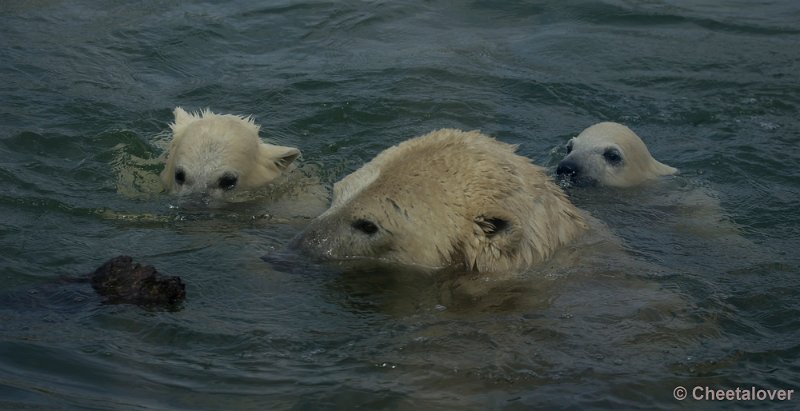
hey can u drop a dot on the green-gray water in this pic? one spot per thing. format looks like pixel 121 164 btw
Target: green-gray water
pixel 86 97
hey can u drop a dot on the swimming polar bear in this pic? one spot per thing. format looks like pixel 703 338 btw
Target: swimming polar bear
pixel 446 199
pixel 217 155
pixel 609 154
pixel 689 212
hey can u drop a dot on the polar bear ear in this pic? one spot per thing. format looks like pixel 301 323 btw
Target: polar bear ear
pixel 496 241
pixel 663 169
pixel 280 156
pixel 492 226
pixel 182 117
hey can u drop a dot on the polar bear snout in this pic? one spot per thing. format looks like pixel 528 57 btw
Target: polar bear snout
pixel 568 169
pixel 572 172
pixel 337 237
pixel 314 243
pixel 320 240
pixel 227 181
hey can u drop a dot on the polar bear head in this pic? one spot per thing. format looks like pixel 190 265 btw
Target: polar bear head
pixel 446 199
pixel 219 154
pixel 609 154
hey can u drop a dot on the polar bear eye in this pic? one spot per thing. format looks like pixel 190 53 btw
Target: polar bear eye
pixel 569 146
pixel 365 226
pixel 612 156
pixel 227 182
pixel 180 176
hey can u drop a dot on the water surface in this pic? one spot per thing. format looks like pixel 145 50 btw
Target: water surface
pixel 703 294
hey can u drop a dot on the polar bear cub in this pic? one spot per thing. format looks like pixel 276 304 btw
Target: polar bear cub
pixel 609 154
pixel 446 199
pixel 219 154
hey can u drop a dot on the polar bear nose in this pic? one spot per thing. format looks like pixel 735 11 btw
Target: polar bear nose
pixel 568 169
pixel 315 242
pixel 227 181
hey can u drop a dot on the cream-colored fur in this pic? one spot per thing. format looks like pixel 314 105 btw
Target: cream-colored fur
pixel 592 156
pixel 220 154
pixel 446 199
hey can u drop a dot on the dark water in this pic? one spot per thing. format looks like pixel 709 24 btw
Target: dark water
pixel 86 97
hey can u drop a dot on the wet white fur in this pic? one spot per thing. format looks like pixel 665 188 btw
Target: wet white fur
pixel 207 146
pixel 637 165
pixel 434 198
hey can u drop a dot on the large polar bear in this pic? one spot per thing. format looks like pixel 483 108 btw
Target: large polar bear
pixel 220 154
pixel 609 154
pixel 446 199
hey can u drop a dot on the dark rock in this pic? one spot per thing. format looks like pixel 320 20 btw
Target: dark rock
pixel 121 281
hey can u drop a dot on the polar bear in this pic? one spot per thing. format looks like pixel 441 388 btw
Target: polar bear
pixel 446 199
pixel 609 154
pixel 220 154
